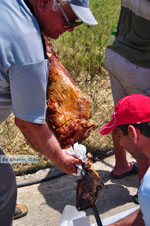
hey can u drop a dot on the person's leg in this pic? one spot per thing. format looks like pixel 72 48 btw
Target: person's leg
pixel 121 163
pixel 118 92
pixel 8 193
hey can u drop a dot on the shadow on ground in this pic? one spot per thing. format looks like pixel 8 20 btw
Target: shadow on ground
pixel 61 192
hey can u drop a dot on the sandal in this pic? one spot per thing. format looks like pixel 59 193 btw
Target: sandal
pixel 131 172
pixel 20 211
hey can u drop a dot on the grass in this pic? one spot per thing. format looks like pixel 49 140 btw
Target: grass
pixel 82 53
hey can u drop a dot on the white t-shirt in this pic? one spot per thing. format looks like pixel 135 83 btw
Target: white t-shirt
pixel 144 197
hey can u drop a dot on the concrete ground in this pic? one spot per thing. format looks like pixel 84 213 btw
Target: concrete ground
pixel 46 201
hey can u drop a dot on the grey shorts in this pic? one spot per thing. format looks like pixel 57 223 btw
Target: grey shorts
pixel 8 193
pixel 125 77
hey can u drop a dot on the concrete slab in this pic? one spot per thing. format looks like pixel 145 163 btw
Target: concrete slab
pixel 46 201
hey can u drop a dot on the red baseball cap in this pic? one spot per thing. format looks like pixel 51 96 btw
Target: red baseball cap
pixel 133 109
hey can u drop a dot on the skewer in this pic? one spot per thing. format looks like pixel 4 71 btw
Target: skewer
pixel 97 217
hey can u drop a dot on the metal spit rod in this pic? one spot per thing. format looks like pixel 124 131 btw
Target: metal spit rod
pixel 97 217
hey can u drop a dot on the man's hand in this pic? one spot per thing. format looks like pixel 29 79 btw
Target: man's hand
pixel 68 162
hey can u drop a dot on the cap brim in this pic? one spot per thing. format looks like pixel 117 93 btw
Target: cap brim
pixel 109 127
pixel 84 14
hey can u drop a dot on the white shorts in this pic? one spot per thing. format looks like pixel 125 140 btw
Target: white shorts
pixel 125 77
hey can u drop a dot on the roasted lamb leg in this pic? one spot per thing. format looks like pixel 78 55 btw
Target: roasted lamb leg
pixel 68 107
pixel 89 187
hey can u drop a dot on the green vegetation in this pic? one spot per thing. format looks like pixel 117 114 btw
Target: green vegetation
pixel 82 51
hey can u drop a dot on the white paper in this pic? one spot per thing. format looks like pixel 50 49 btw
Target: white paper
pixel 79 151
pixel 72 217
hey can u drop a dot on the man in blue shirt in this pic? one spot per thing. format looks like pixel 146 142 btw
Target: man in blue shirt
pixel 24 72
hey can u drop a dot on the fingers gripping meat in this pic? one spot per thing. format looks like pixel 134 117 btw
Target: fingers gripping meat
pixel 89 187
pixel 68 107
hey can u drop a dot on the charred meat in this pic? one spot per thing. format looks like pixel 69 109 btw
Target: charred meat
pixel 68 107
pixel 89 187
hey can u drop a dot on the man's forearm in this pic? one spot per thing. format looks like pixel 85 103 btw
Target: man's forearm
pixel 134 219
pixel 41 138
